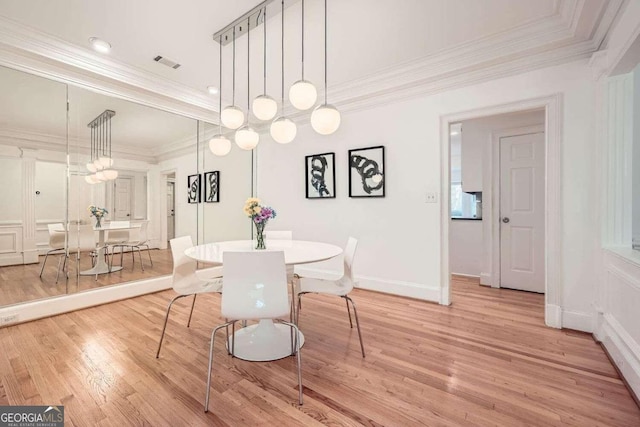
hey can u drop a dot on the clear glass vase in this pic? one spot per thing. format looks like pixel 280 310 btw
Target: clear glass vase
pixel 98 222
pixel 260 236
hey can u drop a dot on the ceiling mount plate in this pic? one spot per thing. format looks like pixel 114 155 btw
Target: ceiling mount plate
pixel 255 18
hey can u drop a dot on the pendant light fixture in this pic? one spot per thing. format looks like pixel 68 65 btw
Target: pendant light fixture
pixel 325 119
pixel 283 130
pixel 246 137
pixel 264 106
pixel 101 156
pixel 220 144
pixel 303 93
pixel 232 116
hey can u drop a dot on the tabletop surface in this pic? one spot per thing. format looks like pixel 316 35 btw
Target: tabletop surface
pixel 106 227
pixel 295 251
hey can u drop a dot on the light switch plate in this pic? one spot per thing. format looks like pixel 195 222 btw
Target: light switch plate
pixel 431 197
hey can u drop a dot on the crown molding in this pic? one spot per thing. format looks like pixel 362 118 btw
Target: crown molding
pixel 28 139
pixel 555 39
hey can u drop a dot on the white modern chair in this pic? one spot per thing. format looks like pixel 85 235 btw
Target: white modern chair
pixel 340 287
pixel 186 280
pixel 56 243
pixel 255 287
pixel 134 242
pixel 285 235
pixel 81 239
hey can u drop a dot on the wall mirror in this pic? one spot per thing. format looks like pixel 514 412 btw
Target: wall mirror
pixel 46 158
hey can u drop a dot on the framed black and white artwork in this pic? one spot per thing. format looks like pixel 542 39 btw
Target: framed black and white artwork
pixel 211 187
pixel 193 190
pixel 367 175
pixel 320 175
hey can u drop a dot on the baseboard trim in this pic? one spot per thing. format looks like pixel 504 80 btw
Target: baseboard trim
pixel 33 310
pixel 621 349
pixel 485 279
pixel 553 316
pixel 395 287
pixel 474 276
pixel 578 321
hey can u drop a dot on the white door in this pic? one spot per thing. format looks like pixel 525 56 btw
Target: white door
pixel 122 199
pixel 171 225
pixel 522 160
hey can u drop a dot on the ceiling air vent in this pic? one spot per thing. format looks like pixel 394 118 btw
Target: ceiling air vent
pixel 167 62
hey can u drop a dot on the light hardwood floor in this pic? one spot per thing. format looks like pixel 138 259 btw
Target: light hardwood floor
pixel 486 360
pixel 21 283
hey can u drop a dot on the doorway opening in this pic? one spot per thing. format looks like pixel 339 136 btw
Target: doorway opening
pixel 168 208
pixel 500 200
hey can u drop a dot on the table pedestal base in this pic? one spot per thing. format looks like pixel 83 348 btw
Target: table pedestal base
pixel 263 342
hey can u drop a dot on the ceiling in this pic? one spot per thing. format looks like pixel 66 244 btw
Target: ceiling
pixel 378 50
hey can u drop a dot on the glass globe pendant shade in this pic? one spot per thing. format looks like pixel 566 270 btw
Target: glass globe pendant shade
pixel 106 162
pixel 91 168
pixel 232 117
pixel 98 165
pixel 110 174
pixel 283 130
pixel 303 94
pixel 265 107
pixel 247 138
pixel 90 179
pixel 220 145
pixel 101 176
pixel 325 119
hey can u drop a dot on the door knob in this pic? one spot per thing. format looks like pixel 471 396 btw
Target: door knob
pixel 506 220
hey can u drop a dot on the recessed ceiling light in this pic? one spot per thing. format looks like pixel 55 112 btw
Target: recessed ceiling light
pixel 100 45
pixel 213 90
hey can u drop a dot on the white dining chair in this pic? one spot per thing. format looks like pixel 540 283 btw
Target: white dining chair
pixel 285 235
pixel 137 238
pixel 255 287
pixel 81 239
pixel 186 280
pixel 56 244
pixel 340 287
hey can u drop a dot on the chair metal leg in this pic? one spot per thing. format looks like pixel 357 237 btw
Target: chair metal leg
pixel 149 253
pixel 213 337
pixel 348 311
pixel 233 339
pixel 298 357
pixel 166 318
pixel 63 265
pixel 44 262
pixel 193 304
pixel 355 312
pixel 139 256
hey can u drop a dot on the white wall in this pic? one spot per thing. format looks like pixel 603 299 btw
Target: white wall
pixel 635 186
pixel 399 235
pixel 11 189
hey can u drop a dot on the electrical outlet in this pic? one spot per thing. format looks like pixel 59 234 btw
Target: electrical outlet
pixel 10 318
pixel 431 197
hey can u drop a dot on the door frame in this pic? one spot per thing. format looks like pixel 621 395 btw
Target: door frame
pixel 164 178
pixel 552 106
pixel 495 196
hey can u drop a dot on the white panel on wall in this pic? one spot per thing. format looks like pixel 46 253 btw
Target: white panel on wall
pixel 11 189
pixel 465 247
pixel 50 182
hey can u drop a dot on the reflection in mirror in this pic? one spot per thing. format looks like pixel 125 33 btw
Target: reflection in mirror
pixel 33 168
pixel 226 184
pixel 108 133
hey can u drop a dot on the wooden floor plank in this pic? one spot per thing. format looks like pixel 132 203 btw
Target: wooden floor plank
pixel 486 360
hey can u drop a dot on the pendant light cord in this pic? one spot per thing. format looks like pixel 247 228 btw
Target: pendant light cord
pixel 248 69
pixel 302 39
pixel 282 56
pixel 325 51
pixel 264 50
pixel 234 67
pixel 220 90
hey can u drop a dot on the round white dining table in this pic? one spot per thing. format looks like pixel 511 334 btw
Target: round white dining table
pixel 265 340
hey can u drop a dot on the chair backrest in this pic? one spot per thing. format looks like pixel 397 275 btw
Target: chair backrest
pixel 254 285
pixel 184 268
pixel 349 255
pixel 56 238
pixel 118 235
pixel 142 234
pixel 82 239
pixel 278 235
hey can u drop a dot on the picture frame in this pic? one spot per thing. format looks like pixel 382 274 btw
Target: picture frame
pixel 193 188
pixel 320 176
pixel 211 187
pixel 367 172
